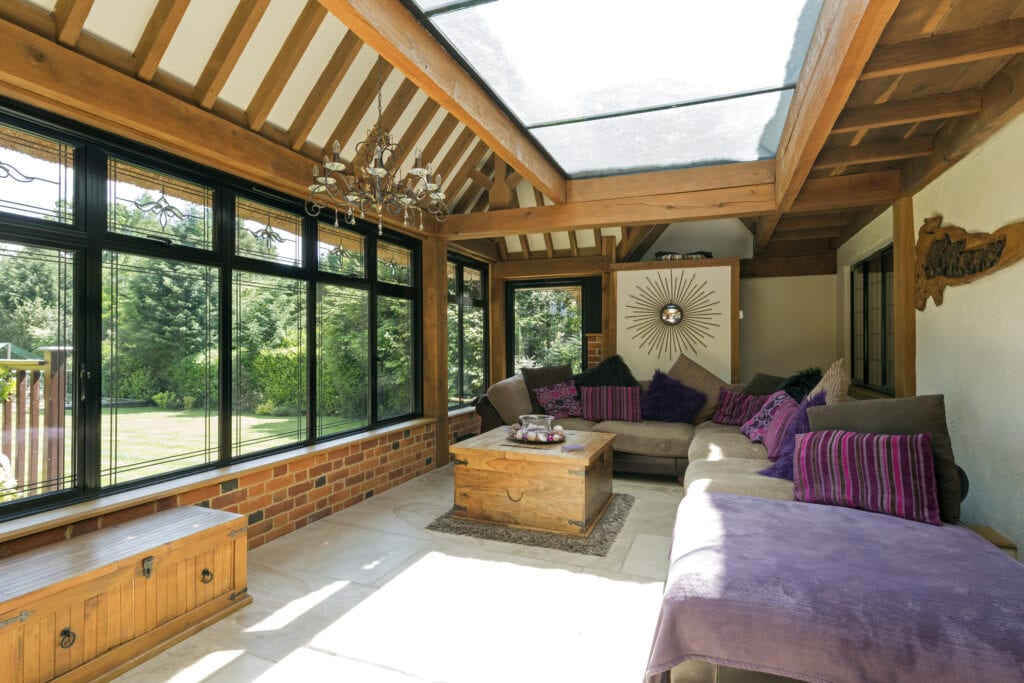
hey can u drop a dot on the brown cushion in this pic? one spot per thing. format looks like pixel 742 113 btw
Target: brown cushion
pixel 510 398
pixel 835 383
pixel 536 378
pixel 914 415
pixel 696 377
pixel 762 385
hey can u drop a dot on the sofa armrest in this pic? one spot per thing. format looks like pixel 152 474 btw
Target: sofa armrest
pixel 489 417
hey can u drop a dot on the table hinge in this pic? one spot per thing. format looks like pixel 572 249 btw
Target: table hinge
pixel 460 462
pixel 576 522
pixel 238 594
pixel 15 619
pixel 459 508
pixel 237 532
pixel 578 473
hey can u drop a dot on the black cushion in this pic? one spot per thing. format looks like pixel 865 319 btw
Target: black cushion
pixel 611 372
pixel 800 384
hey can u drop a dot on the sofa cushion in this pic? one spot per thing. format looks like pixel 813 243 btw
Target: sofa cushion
pixel 668 400
pixel 510 398
pixel 886 473
pixel 755 427
pixel 762 384
pixel 696 377
pixel 835 383
pixel 789 420
pixel 734 476
pixel 799 385
pixel 537 378
pixel 913 415
pixel 611 403
pixel 574 423
pixel 611 372
pixel 716 442
pixel 735 409
pixel 666 439
pixel 560 400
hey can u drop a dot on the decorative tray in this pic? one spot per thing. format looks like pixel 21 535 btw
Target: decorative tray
pixel 518 434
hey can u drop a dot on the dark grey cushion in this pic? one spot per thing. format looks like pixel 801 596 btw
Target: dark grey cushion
pixel 536 378
pixel 762 385
pixel 914 415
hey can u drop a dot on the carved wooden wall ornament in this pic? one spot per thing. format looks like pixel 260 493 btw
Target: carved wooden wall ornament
pixel 949 255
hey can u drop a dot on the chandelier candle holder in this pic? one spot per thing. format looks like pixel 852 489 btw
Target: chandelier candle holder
pixel 375 184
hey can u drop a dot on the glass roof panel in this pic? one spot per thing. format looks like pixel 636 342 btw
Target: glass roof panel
pixel 551 61
pixel 726 131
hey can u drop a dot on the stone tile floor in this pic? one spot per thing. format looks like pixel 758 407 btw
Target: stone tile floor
pixel 368 595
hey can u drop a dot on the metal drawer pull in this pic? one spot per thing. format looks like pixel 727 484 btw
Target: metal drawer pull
pixel 67 638
pixel 514 500
pixel 206 576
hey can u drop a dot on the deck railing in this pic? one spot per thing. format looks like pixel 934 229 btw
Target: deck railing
pixel 37 458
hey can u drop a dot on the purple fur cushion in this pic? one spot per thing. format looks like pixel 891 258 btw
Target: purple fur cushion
pixel 560 400
pixel 735 408
pixel 669 400
pixel 890 474
pixel 611 403
pixel 755 427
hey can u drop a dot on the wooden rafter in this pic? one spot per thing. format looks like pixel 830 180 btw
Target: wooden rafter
pixel 69 17
pixel 643 244
pixel 283 66
pixel 445 167
pixel 943 106
pixel 946 49
pixel 766 225
pixel 549 246
pixel 538 197
pixel 502 248
pixel 237 33
pixel 324 89
pixel 415 131
pixel 843 39
pixel 849 191
pixel 524 245
pixel 808 234
pixel 398 103
pixel 389 28
pixel 873 153
pixel 475 156
pixel 157 36
pixel 814 220
pixel 574 247
pixel 665 182
pixel 360 104
pixel 499 193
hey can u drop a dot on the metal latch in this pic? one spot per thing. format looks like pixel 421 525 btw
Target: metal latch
pixel 460 462
pixel 147 567
pixel 459 508
pixel 15 619
pixel 576 522
pixel 238 594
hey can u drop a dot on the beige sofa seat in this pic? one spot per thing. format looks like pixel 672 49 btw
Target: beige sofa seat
pixel 735 475
pixel 713 441
pixel 575 423
pixel 658 439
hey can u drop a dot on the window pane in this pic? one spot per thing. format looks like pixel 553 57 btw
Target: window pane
pixel 454 369
pixel 473 353
pixel 341 251
pixel 268 234
pixel 36 176
pixel 395 367
pixel 159 379
pixel 268 322
pixel 36 372
pixel 343 359
pixel 453 282
pixel 548 326
pixel 394 264
pixel 148 204
pixel 473 284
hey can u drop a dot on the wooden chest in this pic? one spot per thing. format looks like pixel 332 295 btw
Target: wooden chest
pixel 534 486
pixel 92 607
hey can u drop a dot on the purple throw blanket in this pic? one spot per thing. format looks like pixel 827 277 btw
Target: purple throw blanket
pixel 823 593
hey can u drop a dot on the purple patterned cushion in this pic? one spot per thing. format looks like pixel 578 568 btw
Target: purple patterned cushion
pixel 735 408
pixel 669 400
pixel 891 474
pixel 790 419
pixel 560 400
pixel 755 427
pixel 611 403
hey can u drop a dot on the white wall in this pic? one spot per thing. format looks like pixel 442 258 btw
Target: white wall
pixel 971 348
pixel 787 324
pixel 724 238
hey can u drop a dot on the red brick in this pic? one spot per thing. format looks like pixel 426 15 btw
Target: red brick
pixel 255 478
pixel 228 499
pixel 280 508
pixel 260 528
pixel 300 488
pixel 126 515
pixel 280 470
pixel 198 495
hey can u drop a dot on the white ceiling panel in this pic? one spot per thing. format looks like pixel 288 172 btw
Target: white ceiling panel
pixel 560 240
pixel 585 239
pixel 339 102
pixel 512 243
pixel 196 38
pixel 391 84
pixel 456 132
pixel 261 51
pixel 524 191
pixel 615 232
pixel 402 125
pixel 308 70
pixel 536 243
pixel 118 22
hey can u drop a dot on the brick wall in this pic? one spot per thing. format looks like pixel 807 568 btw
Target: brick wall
pixel 595 351
pixel 281 498
pixel 463 425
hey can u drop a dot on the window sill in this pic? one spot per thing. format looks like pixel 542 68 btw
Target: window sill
pixel 76 512
pixel 459 412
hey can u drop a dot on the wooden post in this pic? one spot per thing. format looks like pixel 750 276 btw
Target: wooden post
pixel 435 343
pixel 54 392
pixel 609 301
pixel 496 325
pixel 904 320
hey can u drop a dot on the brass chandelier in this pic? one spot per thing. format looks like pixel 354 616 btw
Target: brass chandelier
pixel 375 184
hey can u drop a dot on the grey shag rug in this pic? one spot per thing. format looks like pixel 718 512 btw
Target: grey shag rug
pixel 598 543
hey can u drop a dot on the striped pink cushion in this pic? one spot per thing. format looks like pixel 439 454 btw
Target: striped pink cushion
pixel 735 408
pixel 891 474
pixel 790 419
pixel 611 403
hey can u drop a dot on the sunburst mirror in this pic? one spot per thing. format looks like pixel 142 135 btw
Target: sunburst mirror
pixel 669 315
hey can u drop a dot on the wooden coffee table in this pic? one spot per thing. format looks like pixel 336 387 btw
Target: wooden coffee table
pixel 534 486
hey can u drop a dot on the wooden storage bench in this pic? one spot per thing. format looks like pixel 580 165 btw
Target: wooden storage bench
pixel 94 606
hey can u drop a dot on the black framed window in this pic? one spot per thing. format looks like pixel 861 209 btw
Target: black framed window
pixel 547 320
pixel 871 323
pixel 467 330
pixel 158 317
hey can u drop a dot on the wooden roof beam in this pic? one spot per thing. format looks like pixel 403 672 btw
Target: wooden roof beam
pixel 814 220
pixel 765 230
pixel 389 28
pixel 360 103
pixel 843 39
pixel 237 33
pixel 454 185
pixel 281 69
pixel 943 106
pixel 665 182
pixel 157 36
pixel 69 17
pixel 849 191
pixel 808 234
pixel 946 49
pixel 415 131
pixel 324 90
pixel 874 153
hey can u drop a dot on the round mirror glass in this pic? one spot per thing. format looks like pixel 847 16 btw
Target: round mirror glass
pixel 671 314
